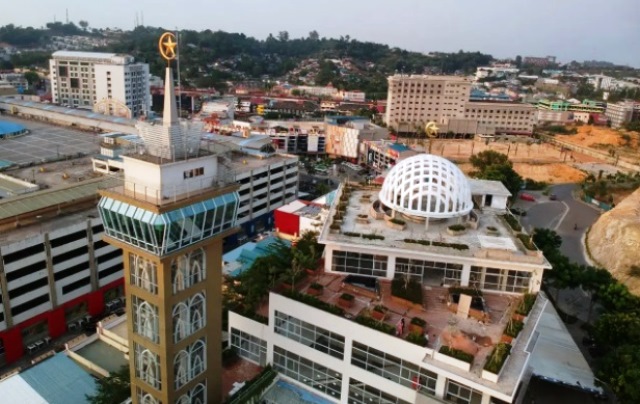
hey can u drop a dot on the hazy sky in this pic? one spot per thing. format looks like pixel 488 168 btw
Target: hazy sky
pixel 569 29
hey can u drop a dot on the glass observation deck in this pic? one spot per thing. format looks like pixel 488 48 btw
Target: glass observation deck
pixel 164 233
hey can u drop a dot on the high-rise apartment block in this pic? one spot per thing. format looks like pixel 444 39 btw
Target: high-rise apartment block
pixel 108 83
pixel 415 100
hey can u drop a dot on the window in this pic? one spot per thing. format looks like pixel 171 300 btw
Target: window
pixel 60 241
pixel 457 393
pixel 188 269
pixel 196 172
pixel 76 285
pixel 189 317
pixel 145 319
pixel 249 347
pixel 356 263
pixel 360 393
pixel 309 335
pixel 143 273
pixel 21 254
pixel 147 366
pixel 310 373
pixel 436 272
pixel 393 368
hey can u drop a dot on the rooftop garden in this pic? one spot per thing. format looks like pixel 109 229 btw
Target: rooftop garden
pixel 512 222
pixel 408 289
pixel 525 306
pixel 456 246
pixel 498 357
pixel 456 353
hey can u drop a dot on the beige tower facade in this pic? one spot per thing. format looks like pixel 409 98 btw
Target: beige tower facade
pixel 169 218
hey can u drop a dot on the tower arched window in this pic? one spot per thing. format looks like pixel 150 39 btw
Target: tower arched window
pixel 179 273
pixel 197 312
pixel 147 367
pixel 146 321
pixel 148 399
pixel 181 324
pixel 143 273
pixel 196 267
pixel 197 356
pixel 181 369
pixel 199 394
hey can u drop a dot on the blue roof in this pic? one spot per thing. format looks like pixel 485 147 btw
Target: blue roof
pixel 248 253
pixel 399 147
pixel 59 380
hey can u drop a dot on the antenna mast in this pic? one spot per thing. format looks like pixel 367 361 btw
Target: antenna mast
pixel 178 66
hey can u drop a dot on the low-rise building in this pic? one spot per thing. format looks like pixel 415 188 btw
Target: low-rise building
pixel 620 113
pixel 360 342
pixel 344 135
pixel 383 154
pixel 510 118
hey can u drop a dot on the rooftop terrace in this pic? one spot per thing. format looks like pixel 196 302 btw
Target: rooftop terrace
pixel 443 325
pixel 357 217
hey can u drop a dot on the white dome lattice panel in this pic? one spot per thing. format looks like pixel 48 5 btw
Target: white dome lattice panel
pixel 427 186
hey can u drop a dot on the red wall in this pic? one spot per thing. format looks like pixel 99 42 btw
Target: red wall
pixel 12 338
pixel 287 223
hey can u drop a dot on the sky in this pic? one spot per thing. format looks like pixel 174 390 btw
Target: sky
pixel 568 29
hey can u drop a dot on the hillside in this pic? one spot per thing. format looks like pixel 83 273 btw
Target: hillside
pixel 211 58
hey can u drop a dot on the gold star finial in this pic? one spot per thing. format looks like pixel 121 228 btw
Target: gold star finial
pixel 167 45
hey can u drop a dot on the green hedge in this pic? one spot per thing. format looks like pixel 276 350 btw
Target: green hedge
pixel 418 321
pixel 512 222
pixel 526 240
pixel 314 302
pixel 513 328
pixel 456 353
pixel 253 388
pixel 316 286
pixel 455 246
pixel 457 227
pixel 372 237
pixel 347 297
pixel 376 325
pixel 412 293
pixel 497 358
pixel 397 221
pixel 417 338
pixel 528 300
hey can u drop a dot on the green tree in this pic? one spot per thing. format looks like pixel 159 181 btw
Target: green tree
pixel 83 24
pixel 114 388
pixel 491 165
pixel 483 160
pixel 620 369
pixel 295 92
pixel 547 240
pixel 314 36
pixel 32 78
pixel 617 329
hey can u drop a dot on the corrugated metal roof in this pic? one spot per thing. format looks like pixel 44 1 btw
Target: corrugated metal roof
pixel 59 380
pixel 19 205
pixel 16 390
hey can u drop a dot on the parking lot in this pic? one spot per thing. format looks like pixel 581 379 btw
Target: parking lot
pixel 45 142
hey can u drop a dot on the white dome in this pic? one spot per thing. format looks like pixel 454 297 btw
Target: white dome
pixel 427 186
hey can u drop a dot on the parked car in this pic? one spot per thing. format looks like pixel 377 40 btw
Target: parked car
pixel 527 197
pixel 553 197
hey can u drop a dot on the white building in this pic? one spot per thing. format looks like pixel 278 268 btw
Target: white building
pixel 382 237
pixel 344 139
pixel 108 83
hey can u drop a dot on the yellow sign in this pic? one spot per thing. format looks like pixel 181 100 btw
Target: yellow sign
pixel 431 129
pixel 260 109
pixel 167 45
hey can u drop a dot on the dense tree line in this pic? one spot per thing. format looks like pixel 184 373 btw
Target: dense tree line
pixel 617 329
pixel 210 58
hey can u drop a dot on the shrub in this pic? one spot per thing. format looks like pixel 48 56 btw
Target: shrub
pixel 316 286
pixel 334 226
pixel 372 237
pixel 512 222
pixel 457 227
pixel 513 328
pixel 491 228
pixel 518 212
pixel 314 302
pixel 465 291
pixel 456 353
pixel 456 246
pixel 418 321
pixel 526 240
pixel 534 185
pixel 380 308
pixel 361 216
pixel 397 221
pixel 417 338
pixel 229 355
pixel 376 325
pixel 412 292
pixel 346 296
pixel 351 234
pixel 528 300
pixel 497 358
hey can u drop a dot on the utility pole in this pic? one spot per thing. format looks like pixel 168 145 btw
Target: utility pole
pixel 67 12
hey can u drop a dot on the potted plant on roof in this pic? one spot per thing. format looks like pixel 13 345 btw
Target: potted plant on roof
pixel 417 325
pixel 346 300
pixel 456 229
pixel 379 312
pixel 315 289
pixel 492 231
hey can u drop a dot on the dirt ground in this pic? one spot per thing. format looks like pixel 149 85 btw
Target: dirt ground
pixel 553 173
pixel 598 137
pixel 523 151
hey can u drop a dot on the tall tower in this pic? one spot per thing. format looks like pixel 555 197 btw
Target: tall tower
pixel 169 218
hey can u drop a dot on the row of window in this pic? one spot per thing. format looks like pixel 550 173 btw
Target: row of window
pixel 310 335
pixel 305 371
